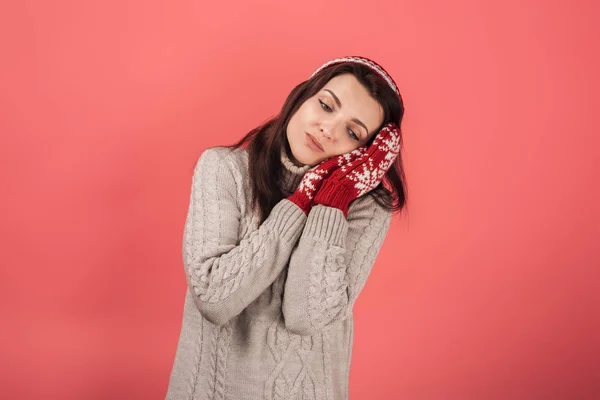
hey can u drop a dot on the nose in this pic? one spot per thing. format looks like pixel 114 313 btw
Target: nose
pixel 326 131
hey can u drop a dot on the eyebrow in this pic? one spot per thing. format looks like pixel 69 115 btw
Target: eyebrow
pixel 339 104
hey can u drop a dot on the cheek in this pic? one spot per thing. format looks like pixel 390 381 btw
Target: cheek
pixel 306 113
pixel 292 126
pixel 298 124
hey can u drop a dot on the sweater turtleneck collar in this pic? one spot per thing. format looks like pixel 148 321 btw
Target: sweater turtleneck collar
pixel 292 174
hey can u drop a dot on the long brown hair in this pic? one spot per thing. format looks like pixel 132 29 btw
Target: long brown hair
pixel 264 142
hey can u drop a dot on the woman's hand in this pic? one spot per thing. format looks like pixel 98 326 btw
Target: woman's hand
pixel 362 175
pixel 313 178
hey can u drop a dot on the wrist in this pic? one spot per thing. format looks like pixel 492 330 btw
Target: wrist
pixel 334 194
pixel 301 201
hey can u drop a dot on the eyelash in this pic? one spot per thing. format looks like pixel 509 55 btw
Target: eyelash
pixel 352 132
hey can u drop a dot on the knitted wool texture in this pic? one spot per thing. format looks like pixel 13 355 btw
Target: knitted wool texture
pixel 268 309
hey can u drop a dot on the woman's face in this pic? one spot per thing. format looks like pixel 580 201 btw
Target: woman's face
pixel 342 116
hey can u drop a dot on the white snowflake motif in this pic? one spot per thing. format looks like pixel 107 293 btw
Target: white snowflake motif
pixel 314 175
pixel 307 185
pixel 367 175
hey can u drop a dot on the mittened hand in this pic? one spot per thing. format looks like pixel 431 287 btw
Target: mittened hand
pixel 363 174
pixel 313 178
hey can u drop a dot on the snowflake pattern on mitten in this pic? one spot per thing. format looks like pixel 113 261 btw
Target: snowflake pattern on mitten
pixel 313 178
pixel 362 175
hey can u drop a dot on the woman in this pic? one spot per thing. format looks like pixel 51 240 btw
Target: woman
pixel 280 237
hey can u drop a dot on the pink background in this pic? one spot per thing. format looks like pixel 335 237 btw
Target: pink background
pixel 487 289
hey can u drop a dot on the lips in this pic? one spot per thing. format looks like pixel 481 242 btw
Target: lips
pixel 315 141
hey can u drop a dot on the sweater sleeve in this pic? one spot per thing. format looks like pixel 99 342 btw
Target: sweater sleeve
pixel 329 267
pixel 225 274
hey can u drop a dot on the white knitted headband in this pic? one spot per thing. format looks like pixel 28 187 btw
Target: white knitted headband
pixel 364 61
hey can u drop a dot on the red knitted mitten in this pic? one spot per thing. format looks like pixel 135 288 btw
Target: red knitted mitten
pixel 363 174
pixel 313 178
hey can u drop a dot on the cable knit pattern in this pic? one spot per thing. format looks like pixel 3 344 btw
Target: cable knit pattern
pixel 327 286
pixel 339 254
pixel 217 265
pixel 268 309
pixel 287 348
pixel 220 338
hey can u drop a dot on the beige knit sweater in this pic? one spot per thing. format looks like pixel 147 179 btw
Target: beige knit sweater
pixel 268 310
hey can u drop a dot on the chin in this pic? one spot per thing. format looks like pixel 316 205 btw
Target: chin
pixel 302 160
pixel 304 155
